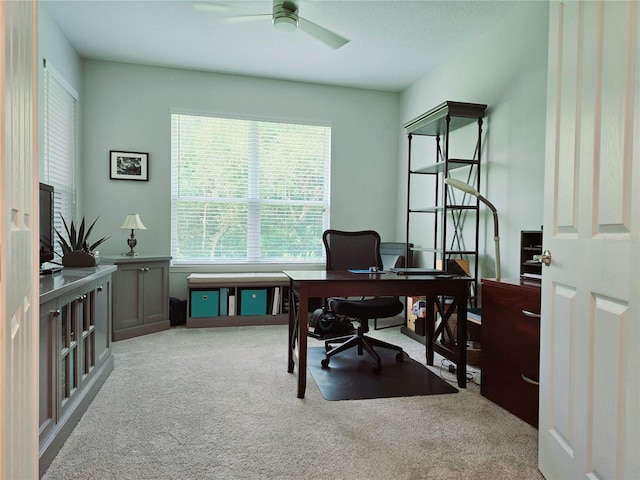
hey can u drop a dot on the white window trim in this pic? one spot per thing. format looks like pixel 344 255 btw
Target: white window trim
pixel 235 265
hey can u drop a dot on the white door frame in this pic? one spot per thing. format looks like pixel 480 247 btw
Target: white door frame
pixel 19 229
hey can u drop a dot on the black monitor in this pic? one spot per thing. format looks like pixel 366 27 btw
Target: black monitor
pixel 46 223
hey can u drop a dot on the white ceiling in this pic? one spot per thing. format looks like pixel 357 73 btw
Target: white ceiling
pixel 393 43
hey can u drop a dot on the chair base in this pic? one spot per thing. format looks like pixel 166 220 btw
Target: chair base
pixel 364 343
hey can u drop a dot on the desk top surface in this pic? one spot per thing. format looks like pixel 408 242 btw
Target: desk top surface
pixel 512 282
pixel 344 275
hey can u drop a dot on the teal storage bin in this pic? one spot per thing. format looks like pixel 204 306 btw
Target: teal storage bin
pixel 205 303
pixel 253 302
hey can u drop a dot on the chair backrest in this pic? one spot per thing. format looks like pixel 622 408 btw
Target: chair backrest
pixel 352 250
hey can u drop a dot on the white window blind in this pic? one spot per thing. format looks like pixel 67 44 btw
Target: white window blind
pixel 248 191
pixel 60 146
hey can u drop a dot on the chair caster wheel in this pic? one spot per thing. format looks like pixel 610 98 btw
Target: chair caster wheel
pixel 324 363
pixel 376 368
pixel 400 356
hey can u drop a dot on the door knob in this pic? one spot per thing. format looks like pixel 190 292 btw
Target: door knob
pixel 544 258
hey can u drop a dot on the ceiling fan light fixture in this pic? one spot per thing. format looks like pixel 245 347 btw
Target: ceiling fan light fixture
pixel 285 23
pixel 285 16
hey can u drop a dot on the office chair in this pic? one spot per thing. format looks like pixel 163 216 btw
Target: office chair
pixel 355 251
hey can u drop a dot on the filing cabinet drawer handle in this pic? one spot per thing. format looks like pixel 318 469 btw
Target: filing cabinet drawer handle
pixel 527 313
pixel 529 380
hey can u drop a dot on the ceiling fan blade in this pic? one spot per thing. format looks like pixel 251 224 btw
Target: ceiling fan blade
pixel 211 6
pixel 320 33
pixel 246 18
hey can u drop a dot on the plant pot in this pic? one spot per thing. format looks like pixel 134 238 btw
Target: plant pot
pixel 78 258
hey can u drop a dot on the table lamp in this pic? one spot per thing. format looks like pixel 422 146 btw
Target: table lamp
pixel 133 222
pixel 465 187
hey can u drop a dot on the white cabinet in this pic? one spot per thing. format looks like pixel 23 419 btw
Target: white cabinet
pixel 141 295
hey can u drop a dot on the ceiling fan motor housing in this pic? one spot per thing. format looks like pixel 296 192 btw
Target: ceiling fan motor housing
pixel 285 15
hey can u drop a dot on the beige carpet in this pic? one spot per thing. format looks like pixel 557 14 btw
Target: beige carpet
pixel 219 404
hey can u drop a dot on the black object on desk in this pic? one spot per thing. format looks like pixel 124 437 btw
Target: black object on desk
pixel 50 270
pixel 417 271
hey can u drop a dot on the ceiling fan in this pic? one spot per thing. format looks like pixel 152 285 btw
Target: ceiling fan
pixel 285 17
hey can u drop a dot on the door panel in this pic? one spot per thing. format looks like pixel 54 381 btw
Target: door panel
pixel 128 306
pixel 102 309
pixel 588 394
pixel 155 288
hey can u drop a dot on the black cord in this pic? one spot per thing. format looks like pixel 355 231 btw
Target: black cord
pixel 470 376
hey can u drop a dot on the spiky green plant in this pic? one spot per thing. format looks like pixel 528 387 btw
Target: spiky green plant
pixel 77 240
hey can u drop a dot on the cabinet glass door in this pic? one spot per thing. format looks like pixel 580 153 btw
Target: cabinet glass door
pixel 89 333
pixel 69 320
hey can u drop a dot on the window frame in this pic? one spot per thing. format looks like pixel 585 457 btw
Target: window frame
pixel 253 201
pixel 59 167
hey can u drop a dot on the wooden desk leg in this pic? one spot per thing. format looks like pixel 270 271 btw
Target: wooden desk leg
pixel 291 340
pixel 302 341
pixel 461 339
pixel 429 327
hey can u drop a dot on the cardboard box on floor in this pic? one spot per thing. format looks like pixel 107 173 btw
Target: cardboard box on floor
pixel 413 321
pixel 473 347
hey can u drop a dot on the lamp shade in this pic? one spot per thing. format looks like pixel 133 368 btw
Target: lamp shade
pixel 465 187
pixel 133 222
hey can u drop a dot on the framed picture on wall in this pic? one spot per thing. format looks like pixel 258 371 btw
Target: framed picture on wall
pixel 128 165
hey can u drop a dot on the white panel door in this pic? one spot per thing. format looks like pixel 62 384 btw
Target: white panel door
pixel 589 382
pixel 19 228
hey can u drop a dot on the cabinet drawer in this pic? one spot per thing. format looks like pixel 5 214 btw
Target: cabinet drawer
pixel 511 346
pixel 205 303
pixel 504 385
pixel 509 334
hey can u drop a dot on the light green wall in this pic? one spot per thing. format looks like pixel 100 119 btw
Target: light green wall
pixel 506 69
pixel 127 107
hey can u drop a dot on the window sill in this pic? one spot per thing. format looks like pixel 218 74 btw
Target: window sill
pixel 244 268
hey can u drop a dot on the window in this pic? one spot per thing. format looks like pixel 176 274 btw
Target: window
pixel 59 127
pixel 248 191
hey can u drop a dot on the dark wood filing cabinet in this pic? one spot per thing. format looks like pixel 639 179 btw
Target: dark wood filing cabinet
pixel 511 345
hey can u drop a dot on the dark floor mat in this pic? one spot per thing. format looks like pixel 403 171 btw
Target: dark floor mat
pixel 350 376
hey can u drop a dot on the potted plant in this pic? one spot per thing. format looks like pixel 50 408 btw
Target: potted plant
pixel 76 250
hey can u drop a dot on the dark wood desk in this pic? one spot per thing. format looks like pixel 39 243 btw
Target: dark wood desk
pixel 320 284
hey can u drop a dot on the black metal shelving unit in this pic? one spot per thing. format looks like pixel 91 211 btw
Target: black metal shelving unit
pixel 448 210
